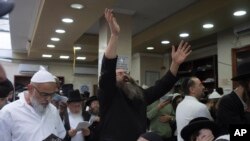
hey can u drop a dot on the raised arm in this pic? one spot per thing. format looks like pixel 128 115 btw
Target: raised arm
pixel 111 49
pixel 179 56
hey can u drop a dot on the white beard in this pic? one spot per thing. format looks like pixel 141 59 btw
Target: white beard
pixel 40 109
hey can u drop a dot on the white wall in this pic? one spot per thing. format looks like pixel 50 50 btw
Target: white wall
pixel 58 69
pixel 225 42
pixel 150 62
pixel 136 67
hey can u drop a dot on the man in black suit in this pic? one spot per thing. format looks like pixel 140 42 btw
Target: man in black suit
pixel 234 108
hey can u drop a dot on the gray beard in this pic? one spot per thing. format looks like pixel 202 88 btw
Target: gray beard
pixel 40 109
pixel 131 90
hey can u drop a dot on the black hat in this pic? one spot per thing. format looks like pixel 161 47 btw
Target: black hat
pixel 91 99
pixel 74 96
pixel 198 124
pixel 66 88
pixel 5 88
pixel 151 136
pixel 243 71
pixel 5 7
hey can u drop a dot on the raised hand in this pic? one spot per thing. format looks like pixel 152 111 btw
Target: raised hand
pixel 181 53
pixel 114 27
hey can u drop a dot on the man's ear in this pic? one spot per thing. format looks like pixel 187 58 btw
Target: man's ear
pixel 191 89
pixel 30 88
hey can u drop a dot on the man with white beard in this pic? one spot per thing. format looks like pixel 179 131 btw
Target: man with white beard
pixel 122 102
pixel 32 117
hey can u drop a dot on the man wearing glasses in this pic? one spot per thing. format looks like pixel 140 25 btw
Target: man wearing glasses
pixel 32 117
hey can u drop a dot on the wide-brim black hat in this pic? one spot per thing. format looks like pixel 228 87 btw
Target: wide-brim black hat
pixel 198 124
pixel 74 96
pixel 90 100
pixel 243 71
pixel 5 7
pixel 151 136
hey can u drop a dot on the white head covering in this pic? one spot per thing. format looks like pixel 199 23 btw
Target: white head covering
pixel 43 76
pixel 175 95
pixel 214 95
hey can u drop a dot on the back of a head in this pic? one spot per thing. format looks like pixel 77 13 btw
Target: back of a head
pixel 5 7
pixel 186 84
pixel 5 88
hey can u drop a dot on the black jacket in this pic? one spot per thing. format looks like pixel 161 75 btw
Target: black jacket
pixel 123 119
pixel 231 111
pixel 86 116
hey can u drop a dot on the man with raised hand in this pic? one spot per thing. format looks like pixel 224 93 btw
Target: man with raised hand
pixel 122 102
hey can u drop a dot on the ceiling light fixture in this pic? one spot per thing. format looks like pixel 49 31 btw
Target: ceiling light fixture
pixel 46 55
pixel 67 20
pixel 60 31
pixel 208 25
pixel 77 47
pixel 240 13
pixel 64 57
pixel 184 35
pixel 51 46
pixel 77 6
pixel 55 39
pixel 150 48
pixel 165 42
pixel 80 58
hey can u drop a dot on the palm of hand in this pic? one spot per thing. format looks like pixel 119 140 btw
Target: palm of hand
pixel 179 56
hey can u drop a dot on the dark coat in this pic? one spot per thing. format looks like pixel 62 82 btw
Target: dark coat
pixel 123 119
pixel 231 111
pixel 86 116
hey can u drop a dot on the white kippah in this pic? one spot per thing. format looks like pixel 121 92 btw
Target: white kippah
pixel 214 95
pixel 43 76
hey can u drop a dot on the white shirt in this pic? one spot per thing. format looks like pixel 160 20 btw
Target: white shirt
pixel 74 119
pixel 187 110
pixel 20 122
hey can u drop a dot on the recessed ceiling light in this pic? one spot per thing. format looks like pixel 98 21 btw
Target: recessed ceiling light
pixel 165 42
pixel 76 6
pixel 55 39
pixel 150 48
pixel 208 25
pixel 51 46
pixel 64 57
pixel 77 47
pixel 81 58
pixel 183 35
pixel 46 55
pixel 67 20
pixel 240 13
pixel 60 31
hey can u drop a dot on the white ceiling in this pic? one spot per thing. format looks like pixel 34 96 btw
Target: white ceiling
pixel 33 22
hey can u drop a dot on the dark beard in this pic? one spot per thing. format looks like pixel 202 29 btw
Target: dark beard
pixel 130 88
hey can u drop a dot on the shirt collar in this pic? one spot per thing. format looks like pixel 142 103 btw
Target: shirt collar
pixel 191 97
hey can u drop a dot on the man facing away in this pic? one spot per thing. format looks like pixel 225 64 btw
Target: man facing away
pixel 234 108
pixel 122 102
pixel 190 107
pixel 32 117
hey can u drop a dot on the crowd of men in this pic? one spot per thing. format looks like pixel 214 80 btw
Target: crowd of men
pixel 121 110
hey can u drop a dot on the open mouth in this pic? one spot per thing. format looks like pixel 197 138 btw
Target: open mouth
pixel 125 79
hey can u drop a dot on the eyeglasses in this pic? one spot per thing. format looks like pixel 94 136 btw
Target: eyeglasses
pixel 44 94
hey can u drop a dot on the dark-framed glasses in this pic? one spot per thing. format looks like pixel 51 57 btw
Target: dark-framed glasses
pixel 44 94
